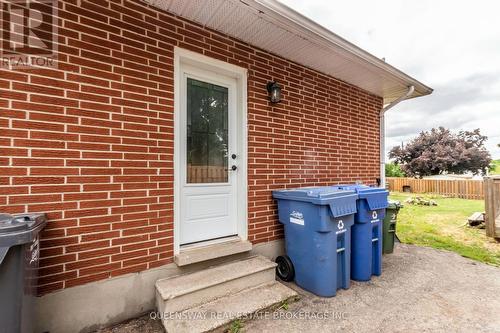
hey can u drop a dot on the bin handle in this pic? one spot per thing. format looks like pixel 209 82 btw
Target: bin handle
pixel 341 249
pixel 3 253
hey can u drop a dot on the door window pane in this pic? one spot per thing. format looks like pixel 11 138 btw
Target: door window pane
pixel 207 132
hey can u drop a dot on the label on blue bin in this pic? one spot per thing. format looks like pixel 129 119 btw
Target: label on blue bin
pixel 340 226
pixel 375 217
pixel 297 218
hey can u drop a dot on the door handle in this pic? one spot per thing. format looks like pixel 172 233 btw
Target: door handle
pixel 234 167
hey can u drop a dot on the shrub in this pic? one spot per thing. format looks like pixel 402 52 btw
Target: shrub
pixel 393 170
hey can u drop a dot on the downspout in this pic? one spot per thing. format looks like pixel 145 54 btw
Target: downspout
pixel 410 91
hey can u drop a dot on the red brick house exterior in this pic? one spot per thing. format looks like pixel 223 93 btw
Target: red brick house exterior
pixel 91 142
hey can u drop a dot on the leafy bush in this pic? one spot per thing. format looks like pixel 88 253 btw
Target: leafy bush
pixel 393 170
pixel 495 167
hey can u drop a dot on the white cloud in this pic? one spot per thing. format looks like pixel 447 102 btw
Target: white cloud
pixel 452 46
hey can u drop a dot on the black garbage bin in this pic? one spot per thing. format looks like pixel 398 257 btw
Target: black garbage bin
pixel 19 257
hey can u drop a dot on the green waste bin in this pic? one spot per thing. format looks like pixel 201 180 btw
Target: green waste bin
pixel 389 228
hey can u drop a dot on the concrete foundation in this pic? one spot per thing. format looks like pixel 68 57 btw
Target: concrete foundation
pixel 91 306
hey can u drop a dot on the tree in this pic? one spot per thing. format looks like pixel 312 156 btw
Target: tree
pixel 441 151
pixel 393 170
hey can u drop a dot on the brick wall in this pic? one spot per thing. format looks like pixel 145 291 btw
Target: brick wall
pixel 91 143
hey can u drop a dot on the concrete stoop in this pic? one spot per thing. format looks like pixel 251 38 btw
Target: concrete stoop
pixel 206 300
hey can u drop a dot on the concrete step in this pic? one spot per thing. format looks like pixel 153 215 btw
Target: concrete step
pixel 221 312
pixel 182 292
pixel 204 253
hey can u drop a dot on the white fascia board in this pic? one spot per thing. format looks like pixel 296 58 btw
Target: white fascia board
pixel 317 33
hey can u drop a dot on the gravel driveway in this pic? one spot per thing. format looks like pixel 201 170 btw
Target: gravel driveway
pixel 420 290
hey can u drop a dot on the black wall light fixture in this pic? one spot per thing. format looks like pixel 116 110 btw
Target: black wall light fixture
pixel 274 91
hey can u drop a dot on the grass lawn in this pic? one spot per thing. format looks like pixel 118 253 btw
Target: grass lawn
pixel 445 227
pixel 496 170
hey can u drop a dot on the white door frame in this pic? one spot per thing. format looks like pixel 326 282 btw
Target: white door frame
pixel 185 57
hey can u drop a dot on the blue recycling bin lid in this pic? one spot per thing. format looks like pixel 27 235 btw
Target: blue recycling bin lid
pixel 312 194
pixel 376 197
pixel 341 202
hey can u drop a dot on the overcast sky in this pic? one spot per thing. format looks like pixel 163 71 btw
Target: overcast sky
pixel 451 46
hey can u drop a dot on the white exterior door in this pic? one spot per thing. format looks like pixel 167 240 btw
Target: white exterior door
pixel 208 156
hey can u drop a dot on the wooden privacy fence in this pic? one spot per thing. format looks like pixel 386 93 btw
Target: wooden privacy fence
pixel 492 206
pixel 206 174
pixel 457 188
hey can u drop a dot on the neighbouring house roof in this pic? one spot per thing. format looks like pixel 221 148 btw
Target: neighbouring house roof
pixel 274 27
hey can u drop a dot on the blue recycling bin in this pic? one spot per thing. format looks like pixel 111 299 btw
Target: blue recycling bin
pixel 317 223
pixel 366 233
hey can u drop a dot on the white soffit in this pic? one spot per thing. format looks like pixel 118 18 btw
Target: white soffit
pixel 276 28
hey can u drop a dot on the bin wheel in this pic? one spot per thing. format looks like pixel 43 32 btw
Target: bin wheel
pixel 285 270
